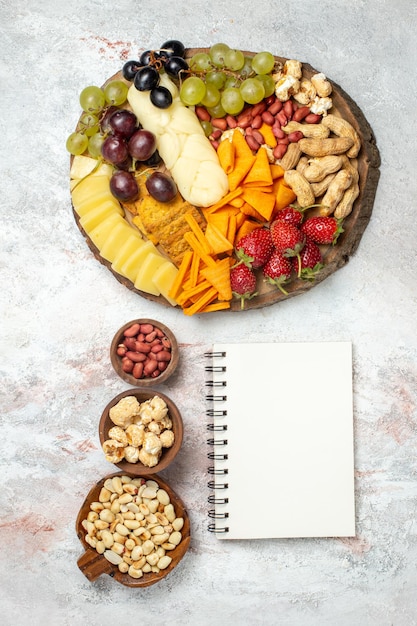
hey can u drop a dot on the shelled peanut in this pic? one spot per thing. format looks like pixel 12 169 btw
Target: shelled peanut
pixel 134 525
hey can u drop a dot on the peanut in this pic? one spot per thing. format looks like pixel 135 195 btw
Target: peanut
pixel 308 130
pixel 291 157
pixel 343 128
pixel 140 346
pixel 335 191
pixel 323 147
pixel 300 186
pixel 319 168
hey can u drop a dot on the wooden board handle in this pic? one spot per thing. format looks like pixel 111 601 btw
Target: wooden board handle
pixel 93 565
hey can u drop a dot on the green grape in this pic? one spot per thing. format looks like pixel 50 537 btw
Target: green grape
pixel 94 144
pixel 268 83
pixel 234 60
pixel 115 92
pixel 217 111
pixel 77 143
pixel 92 99
pixel 252 91
pixel 246 70
pixel 231 81
pixel 200 62
pixel 217 52
pixel 193 91
pixel 263 62
pixel 216 78
pixel 207 127
pixel 212 96
pixel 89 124
pixel 232 101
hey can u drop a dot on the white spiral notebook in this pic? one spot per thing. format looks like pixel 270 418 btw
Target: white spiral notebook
pixel 281 445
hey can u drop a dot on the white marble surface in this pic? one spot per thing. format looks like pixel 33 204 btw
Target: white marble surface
pixel 60 308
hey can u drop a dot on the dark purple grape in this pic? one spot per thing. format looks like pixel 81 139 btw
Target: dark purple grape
pixel 130 68
pixel 173 47
pixel 161 187
pixel 146 78
pixel 175 65
pixel 142 145
pixel 114 150
pixel 105 120
pixel 145 57
pixel 161 97
pixel 124 187
pixel 123 122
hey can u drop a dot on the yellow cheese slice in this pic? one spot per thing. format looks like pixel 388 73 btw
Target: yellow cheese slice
pixel 164 278
pixel 100 233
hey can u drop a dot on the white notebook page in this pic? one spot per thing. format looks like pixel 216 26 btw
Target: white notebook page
pixel 289 440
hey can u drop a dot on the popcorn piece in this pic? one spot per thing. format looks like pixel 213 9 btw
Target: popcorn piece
pixel 124 411
pixel 155 427
pixel 321 85
pixel 286 86
pixel 306 93
pixel 132 454
pixel 167 438
pixel 293 68
pixel 118 434
pixel 114 450
pixel 134 435
pixel 320 106
pixel 151 443
pixel 147 459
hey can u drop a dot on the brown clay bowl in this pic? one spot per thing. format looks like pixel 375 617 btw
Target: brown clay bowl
pixel 92 564
pixel 168 454
pixel 167 339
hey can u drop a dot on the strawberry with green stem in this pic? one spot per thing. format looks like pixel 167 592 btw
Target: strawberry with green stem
pixel 243 282
pixel 288 239
pixel 255 248
pixel 277 270
pixel 311 260
pixel 322 229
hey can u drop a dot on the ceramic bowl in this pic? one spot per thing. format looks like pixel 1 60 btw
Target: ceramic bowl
pixel 92 564
pixel 168 454
pixel 144 352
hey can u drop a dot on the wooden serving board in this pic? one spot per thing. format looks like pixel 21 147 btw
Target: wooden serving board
pixel 334 257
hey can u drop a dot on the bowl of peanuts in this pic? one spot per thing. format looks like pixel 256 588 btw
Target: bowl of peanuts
pixel 144 352
pixel 141 431
pixel 135 529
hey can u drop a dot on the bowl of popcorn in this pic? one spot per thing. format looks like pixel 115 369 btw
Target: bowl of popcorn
pixel 133 528
pixel 141 431
pixel 144 352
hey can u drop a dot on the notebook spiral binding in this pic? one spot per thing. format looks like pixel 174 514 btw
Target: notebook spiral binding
pixel 216 484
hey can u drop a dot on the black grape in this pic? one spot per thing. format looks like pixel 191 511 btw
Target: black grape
pixel 123 122
pixel 161 97
pixel 161 187
pixel 174 65
pixel 173 47
pixel 146 78
pixel 142 145
pixel 130 68
pixel 114 150
pixel 124 187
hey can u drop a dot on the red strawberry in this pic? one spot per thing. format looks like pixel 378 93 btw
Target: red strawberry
pixel 322 229
pixel 277 270
pixel 255 248
pixel 243 282
pixel 291 215
pixel 287 239
pixel 310 259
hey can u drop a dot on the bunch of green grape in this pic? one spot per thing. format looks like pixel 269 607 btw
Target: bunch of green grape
pixel 224 80
pixel 94 102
